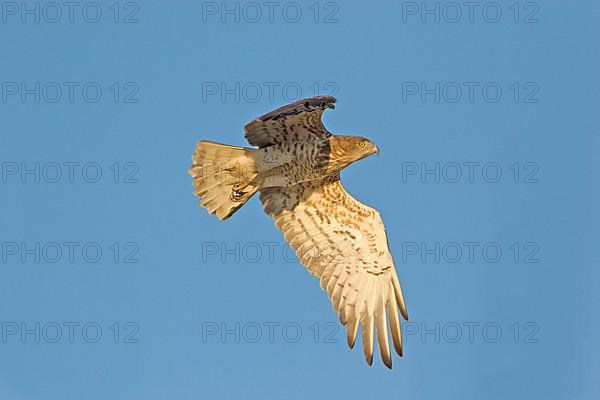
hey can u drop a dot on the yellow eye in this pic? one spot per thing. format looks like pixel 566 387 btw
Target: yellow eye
pixel 362 143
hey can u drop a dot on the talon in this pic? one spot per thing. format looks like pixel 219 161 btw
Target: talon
pixel 237 194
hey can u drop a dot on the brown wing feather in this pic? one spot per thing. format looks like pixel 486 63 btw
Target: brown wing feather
pixel 297 121
pixel 344 243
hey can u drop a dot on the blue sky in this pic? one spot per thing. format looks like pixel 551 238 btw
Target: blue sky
pixel 115 284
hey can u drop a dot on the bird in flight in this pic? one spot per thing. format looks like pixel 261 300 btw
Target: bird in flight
pixel 296 170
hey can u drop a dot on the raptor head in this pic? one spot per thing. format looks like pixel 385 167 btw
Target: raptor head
pixel 348 149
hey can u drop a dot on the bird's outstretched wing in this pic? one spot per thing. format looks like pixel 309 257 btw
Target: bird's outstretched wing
pixel 299 121
pixel 344 243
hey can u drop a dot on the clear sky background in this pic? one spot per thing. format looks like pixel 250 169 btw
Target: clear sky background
pixel 184 302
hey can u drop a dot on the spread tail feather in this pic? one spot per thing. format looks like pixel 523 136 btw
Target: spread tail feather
pixel 224 177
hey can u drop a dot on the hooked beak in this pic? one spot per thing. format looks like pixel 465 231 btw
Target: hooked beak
pixel 377 151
